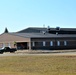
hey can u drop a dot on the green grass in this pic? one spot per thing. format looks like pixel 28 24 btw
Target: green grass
pixel 38 65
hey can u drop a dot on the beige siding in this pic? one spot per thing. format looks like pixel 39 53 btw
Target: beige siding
pixel 11 38
pixel 7 38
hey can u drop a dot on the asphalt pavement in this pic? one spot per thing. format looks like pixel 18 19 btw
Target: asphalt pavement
pixel 39 52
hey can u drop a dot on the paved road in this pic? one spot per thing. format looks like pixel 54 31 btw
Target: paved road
pixel 36 54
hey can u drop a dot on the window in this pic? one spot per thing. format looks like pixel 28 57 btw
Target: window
pixel 65 43
pixel 9 45
pixel 33 44
pixel 44 43
pixel 51 43
pixel 58 43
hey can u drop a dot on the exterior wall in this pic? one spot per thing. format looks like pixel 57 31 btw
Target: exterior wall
pixel 6 39
pixel 39 43
pixel 70 43
pixel 58 43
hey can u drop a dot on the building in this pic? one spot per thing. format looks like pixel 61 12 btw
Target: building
pixel 40 38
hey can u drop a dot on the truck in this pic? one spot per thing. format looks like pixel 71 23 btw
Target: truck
pixel 7 49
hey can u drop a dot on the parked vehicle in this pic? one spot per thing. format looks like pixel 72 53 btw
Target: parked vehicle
pixel 7 49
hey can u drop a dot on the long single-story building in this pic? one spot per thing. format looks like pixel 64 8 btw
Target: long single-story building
pixel 40 38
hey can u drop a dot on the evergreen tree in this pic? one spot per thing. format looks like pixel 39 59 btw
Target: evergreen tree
pixel 6 30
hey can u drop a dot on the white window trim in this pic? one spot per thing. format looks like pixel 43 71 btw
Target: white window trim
pixel 65 43
pixel 33 43
pixel 9 45
pixel 44 43
pixel 51 43
pixel 58 43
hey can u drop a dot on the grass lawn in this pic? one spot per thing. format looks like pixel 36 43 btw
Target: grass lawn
pixel 38 65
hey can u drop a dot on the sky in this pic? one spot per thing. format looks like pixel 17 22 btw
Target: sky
pixel 20 14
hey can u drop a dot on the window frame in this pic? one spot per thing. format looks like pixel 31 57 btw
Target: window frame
pixel 33 44
pixel 58 43
pixel 65 43
pixel 44 43
pixel 51 43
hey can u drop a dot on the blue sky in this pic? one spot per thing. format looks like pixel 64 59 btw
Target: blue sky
pixel 20 14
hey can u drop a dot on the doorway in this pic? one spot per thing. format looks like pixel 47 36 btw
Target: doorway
pixel 22 45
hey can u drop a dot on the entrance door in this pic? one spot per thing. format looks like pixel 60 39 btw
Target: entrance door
pixel 22 45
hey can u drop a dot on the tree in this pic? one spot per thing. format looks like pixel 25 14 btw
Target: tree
pixel 6 30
